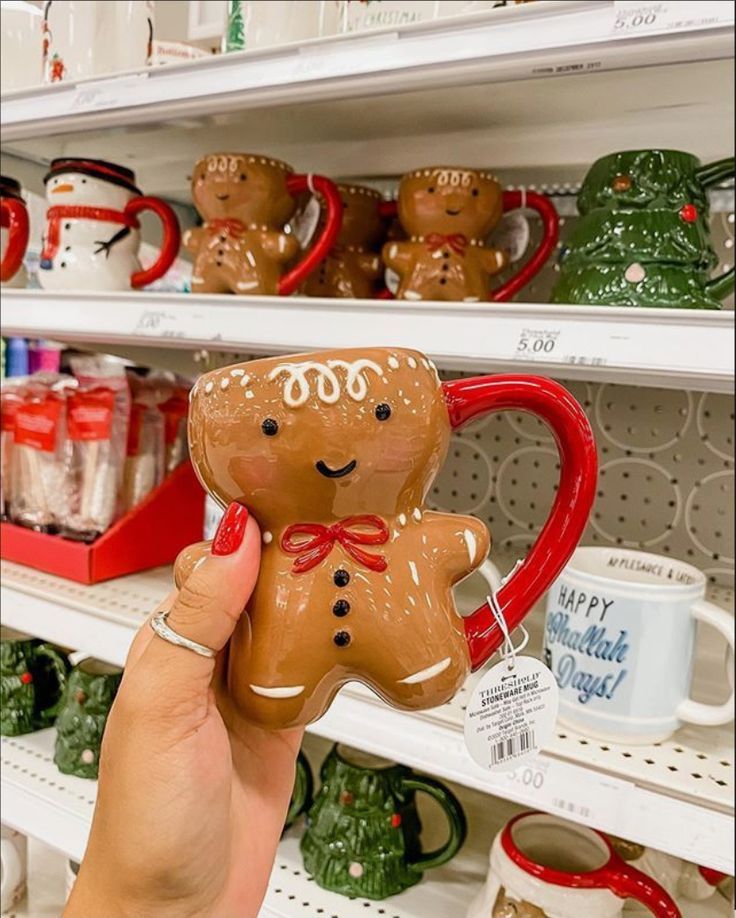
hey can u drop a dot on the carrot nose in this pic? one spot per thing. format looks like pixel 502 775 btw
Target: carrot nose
pixel 67 186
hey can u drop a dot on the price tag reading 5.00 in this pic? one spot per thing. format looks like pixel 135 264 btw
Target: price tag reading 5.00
pixel 536 343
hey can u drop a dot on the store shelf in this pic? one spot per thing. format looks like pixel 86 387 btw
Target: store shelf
pixel 56 809
pixel 676 796
pixel 673 348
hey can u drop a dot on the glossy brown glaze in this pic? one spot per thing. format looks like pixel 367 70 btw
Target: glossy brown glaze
pixel 353 267
pixel 309 442
pixel 244 202
pixel 447 213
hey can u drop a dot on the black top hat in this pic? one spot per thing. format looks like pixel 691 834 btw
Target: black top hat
pixel 9 188
pixel 97 168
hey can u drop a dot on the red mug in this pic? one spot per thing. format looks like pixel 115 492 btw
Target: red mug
pixel 333 454
pixel 15 220
pixel 245 201
pixel 448 213
pixel 542 864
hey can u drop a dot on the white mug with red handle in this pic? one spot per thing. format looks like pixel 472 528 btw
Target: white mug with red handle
pixel 544 867
pixel 92 234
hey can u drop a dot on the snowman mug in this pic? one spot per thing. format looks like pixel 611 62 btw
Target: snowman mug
pixel 544 867
pixel 15 229
pixel 92 233
pixel 619 638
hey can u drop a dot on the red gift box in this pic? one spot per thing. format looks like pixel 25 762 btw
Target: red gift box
pixel 153 533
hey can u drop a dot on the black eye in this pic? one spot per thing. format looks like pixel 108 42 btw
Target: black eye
pixel 270 427
pixel 84 181
pixel 475 192
pixel 431 189
pixel 383 412
pixel 243 176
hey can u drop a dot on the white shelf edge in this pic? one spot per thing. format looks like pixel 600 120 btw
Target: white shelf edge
pixel 455 335
pixel 542 40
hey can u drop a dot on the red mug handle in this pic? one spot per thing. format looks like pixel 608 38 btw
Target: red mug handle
pixel 169 246
pixel 327 190
pixel 627 882
pixel 15 220
pixel 553 404
pixel 512 200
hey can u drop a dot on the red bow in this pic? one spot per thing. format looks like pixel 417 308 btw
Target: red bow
pixel 323 540
pixel 456 241
pixel 59 212
pixel 230 227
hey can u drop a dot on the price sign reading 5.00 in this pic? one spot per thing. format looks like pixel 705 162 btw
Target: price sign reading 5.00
pixel 537 344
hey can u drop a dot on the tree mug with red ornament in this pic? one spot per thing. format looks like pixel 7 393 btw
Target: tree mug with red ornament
pixel 32 679
pixel 448 213
pixel 13 234
pixel 245 202
pixel 92 234
pixel 544 867
pixel 334 454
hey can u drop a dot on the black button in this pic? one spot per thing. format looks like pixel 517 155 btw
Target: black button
pixel 445 267
pixel 341 638
pixel 446 254
pixel 341 578
pixel 67 226
pixel 443 280
pixel 221 251
pixel 341 607
pixel 223 238
pixel 219 264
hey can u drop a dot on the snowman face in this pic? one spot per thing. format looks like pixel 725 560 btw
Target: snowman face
pixel 73 188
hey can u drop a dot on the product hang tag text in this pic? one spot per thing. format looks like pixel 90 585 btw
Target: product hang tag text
pixel 304 222
pixel 512 235
pixel 511 714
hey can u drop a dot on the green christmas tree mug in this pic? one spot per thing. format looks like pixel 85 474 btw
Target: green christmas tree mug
pixel 90 692
pixel 363 830
pixel 302 795
pixel 643 237
pixel 32 679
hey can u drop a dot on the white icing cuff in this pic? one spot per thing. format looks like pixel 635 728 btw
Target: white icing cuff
pixel 429 673
pixel 282 691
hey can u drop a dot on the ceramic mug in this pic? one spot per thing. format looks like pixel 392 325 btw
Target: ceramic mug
pixel 14 233
pixel 245 202
pixel 20 68
pixel 13 868
pixel 92 233
pixel 80 724
pixel 368 804
pixel 619 638
pixel 83 38
pixel 643 237
pixel 447 213
pixel 334 454
pixel 32 679
pixel 255 24
pixel 544 867
pixel 303 794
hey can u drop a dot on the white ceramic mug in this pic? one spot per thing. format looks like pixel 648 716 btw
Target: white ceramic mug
pixel 255 24
pixel 20 55
pixel 13 861
pixel 544 867
pixel 620 636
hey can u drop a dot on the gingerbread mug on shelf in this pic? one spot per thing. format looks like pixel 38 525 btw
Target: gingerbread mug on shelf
pixel 245 202
pixel 334 454
pixel 14 233
pixel 447 213
pixel 92 233
pixel 544 867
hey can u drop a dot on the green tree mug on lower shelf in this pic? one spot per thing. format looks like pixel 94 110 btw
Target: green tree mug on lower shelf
pixel 32 679
pixel 89 695
pixel 302 795
pixel 363 830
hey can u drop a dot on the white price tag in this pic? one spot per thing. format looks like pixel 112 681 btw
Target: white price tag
pixel 104 93
pixel 158 323
pixel 537 343
pixel 511 713
pixel 632 17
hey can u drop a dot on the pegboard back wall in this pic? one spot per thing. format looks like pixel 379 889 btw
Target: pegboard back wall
pixel 666 480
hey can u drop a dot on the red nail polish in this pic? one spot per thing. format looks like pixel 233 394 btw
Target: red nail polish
pixel 231 530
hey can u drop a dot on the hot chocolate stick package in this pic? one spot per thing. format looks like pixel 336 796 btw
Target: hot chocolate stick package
pixel 11 397
pixel 174 411
pixel 144 460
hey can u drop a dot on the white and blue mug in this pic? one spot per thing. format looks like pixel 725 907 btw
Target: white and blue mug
pixel 620 637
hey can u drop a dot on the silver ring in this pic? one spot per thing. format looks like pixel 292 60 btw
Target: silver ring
pixel 163 630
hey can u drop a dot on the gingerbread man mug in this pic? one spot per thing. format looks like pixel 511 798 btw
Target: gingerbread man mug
pixel 245 202
pixel 334 454
pixel 448 213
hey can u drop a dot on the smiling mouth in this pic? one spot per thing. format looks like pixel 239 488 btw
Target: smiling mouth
pixel 325 470
pixel 453 213
pixel 222 197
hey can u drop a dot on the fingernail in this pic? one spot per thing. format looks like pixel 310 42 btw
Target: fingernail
pixel 231 530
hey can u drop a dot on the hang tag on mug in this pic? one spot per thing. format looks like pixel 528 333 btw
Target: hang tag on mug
pixel 512 235
pixel 392 280
pixel 511 714
pixel 304 222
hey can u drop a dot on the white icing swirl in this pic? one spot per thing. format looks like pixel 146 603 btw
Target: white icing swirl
pixel 297 387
